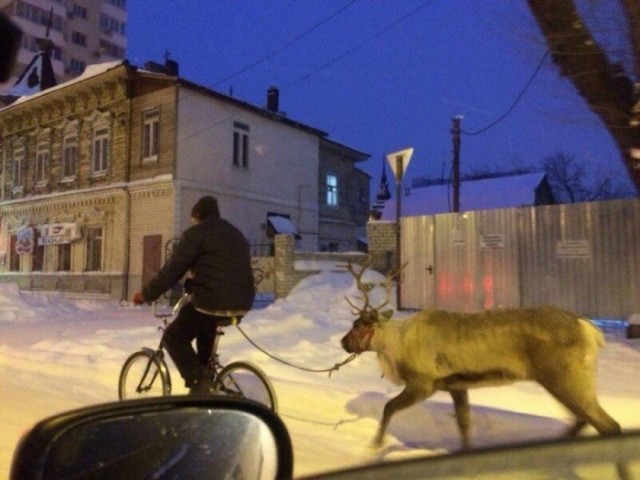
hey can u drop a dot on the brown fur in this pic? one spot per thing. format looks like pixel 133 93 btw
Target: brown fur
pixel 437 350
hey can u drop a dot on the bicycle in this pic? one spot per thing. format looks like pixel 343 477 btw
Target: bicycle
pixel 145 372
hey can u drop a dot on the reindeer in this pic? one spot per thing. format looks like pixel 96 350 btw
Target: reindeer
pixel 453 352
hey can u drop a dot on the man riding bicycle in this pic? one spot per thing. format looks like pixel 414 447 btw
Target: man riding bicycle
pixel 221 285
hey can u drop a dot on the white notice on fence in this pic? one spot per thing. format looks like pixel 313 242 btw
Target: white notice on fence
pixel 573 249
pixel 492 241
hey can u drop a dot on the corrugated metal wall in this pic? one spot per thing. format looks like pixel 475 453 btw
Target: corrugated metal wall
pixel 583 257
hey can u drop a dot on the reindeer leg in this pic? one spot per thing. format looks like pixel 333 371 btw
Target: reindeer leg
pixel 463 416
pixel 576 428
pixel 576 391
pixel 408 397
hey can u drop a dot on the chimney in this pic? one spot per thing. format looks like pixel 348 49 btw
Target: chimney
pixel 273 100
pixel 172 67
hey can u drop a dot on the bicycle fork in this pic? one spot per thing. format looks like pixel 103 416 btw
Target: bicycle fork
pixel 144 385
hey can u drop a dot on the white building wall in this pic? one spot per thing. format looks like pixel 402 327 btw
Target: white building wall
pixel 204 166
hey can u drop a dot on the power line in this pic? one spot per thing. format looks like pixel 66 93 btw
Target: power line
pixel 517 100
pixel 359 45
pixel 286 45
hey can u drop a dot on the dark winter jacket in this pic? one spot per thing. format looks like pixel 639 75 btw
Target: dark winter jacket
pixel 217 254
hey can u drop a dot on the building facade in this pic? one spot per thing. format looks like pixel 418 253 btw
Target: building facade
pixel 83 32
pixel 343 198
pixel 99 175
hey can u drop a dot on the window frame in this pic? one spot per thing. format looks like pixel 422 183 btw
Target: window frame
pixel 150 142
pixel 332 194
pixel 17 173
pixel 100 151
pixel 240 145
pixel 70 157
pixel 43 157
pixel 14 258
pixel 37 257
pixel 94 245
pixel 64 258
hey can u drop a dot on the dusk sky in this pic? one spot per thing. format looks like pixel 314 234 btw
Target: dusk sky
pixel 384 75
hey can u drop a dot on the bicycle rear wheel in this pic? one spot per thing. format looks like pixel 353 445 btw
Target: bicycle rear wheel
pixel 245 380
pixel 144 374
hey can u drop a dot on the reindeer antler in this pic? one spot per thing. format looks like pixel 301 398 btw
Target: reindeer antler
pixel 366 287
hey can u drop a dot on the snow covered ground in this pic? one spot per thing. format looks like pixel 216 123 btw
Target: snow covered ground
pixel 60 353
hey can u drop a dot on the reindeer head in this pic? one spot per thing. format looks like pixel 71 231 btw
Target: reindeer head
pixel 357 339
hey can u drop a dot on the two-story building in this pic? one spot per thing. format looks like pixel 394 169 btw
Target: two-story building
pixel 99 175
pixel 343 198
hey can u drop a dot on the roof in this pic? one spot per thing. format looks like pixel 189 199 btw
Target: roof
pixel 252 108
pixel 484 194
pixel 38 75
pixel 90 71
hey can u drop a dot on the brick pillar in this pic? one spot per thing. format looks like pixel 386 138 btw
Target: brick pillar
pixel 382 245
pixel 285 278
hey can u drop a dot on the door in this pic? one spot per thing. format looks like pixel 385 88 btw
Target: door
pixel 151 256
pixel 418 279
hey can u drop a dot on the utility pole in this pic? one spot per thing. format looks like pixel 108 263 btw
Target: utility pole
pixel 455 130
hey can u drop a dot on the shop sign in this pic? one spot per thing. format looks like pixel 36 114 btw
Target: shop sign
pixel 24 241
pixel 58 233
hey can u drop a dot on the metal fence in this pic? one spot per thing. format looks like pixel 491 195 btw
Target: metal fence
pixel 583 257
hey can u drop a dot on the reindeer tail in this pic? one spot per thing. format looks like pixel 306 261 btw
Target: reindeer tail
pixel 592 331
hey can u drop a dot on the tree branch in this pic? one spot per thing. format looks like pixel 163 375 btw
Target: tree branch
pixel 603 84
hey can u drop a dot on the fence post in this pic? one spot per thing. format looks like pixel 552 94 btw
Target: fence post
pixel 284 264
pixel 381 237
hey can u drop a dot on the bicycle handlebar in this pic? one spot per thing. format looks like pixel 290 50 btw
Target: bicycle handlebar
pixel 185 298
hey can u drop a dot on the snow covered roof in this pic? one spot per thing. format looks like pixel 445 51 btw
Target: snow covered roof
pixel 484 194
pixel 91 71
pixel 281 224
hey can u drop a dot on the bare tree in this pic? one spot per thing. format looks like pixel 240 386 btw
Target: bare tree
pixel 605 82
pixel 568 177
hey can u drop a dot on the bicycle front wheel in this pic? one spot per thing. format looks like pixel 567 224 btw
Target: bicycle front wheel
pixel 144 374
pixel 245 380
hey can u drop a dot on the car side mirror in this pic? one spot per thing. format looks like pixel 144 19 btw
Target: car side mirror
pixel 167 437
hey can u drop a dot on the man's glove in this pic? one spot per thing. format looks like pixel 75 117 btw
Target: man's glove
pixel 138 299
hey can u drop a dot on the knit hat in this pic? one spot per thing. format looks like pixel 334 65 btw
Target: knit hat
pixel 205 207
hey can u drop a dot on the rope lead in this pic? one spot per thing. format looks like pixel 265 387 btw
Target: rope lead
pixel 329 370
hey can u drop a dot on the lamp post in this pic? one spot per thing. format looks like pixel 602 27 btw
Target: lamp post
pixel 399 161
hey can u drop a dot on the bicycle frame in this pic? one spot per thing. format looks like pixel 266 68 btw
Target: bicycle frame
pixel 150 374
pixel 213 365
pixel 153 354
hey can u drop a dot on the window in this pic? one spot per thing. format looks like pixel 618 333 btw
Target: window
pixel 240 145
pixel 119 3
pixel 14 258
pixel 70 156
pixel 332 190
pixel 79 39
pixel 64 257
pixel 79 11
pixel 37 15
pixel 150 124
pixel 94 249
pixel 18 169
pixel 100 151
pixel 42 164
pixel 76 66
pixel 37 257
pixel 111 49
pixel 111 25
